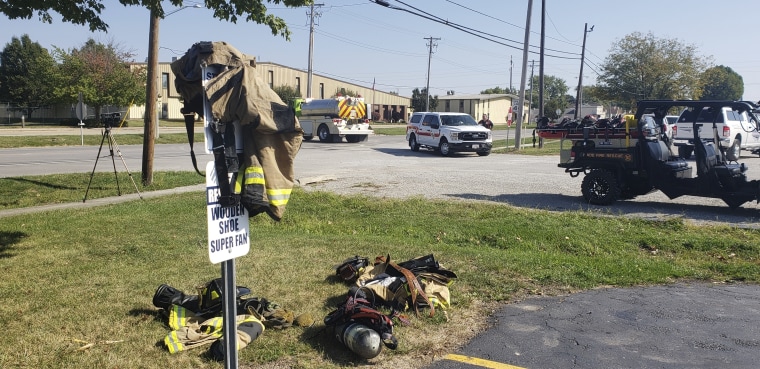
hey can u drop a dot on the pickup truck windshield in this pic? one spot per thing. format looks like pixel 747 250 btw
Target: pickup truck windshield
pixel 458 120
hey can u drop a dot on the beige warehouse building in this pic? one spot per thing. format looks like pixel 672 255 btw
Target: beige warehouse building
pixel 497 106
pixel 383 104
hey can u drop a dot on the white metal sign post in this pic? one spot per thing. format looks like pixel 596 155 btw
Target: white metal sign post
pixel 228 230
pixel 81 111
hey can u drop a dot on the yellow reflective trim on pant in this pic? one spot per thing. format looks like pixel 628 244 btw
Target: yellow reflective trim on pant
pixel 177 317
pixel 173 343
pixel 251 175
pixel 278 197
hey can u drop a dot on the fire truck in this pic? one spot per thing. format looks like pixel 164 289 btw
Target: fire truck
pixel 333 119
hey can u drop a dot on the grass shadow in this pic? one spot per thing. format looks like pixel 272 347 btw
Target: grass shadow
pixel 7 240
pixel 745 217
pixel 39 183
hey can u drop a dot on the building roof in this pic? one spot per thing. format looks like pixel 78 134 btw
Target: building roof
pixel 477 97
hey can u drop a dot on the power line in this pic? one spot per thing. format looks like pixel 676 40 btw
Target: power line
pixel 367 46
pixel 464 29
pixel 503 21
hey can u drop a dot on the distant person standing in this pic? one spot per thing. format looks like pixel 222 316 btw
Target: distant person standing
pixel 485 122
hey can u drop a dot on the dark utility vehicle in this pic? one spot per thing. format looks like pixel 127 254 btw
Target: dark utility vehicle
pixel 625 158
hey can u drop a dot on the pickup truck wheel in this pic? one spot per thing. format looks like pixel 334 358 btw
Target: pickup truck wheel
pixel 324 134
pixel 444 147
pixel 685 151
pixel 484 153
pixel 308 138
pixel 600 187
pixel 353 138
pixel 735 151
pixel 413 144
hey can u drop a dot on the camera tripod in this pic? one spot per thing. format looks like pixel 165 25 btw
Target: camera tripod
pixel 111 146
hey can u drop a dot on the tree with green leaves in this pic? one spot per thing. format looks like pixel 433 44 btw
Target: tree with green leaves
pixel 87 12
pixel 418 100
pixel 287 93
pixel 102 73
pixel 28 75
pixel 641 67
pixel 555 90
pixel 342 91
pixel 721 83
pixel 499 90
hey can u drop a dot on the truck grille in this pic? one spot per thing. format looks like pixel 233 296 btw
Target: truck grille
pixel 473 136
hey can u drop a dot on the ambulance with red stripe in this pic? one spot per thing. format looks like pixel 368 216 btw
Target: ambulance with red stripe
pixel 332 119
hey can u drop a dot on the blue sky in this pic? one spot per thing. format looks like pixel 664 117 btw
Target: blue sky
pixel 362 42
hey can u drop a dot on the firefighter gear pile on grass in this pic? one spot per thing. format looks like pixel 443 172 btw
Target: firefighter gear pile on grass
pixel 196 320
pixel 416 284
pixel 271 135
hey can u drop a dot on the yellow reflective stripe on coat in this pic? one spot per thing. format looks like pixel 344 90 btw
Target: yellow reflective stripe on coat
pixel 252 175
pixel 278 197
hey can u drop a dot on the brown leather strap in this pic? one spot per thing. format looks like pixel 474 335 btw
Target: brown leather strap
pixel 414 288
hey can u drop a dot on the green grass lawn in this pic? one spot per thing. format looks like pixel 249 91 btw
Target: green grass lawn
pixel 7 142
pixel 72 277
pixel 27 191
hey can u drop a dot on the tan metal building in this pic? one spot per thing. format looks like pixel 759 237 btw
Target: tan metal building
pixel 497 106
pixel 383 104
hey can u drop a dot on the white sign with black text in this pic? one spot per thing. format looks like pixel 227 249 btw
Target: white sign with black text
pixel 228 227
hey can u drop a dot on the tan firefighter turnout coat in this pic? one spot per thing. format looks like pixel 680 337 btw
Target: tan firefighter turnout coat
pixel 271 132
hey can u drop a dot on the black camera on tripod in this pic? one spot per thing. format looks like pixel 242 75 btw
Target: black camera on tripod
pixel 110 119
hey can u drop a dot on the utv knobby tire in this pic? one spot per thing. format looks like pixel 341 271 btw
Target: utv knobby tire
pixel 685 151
pixel 600 187
pixel 734 152
pixel 631 189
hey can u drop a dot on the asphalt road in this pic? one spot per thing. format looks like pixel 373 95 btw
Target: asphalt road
pixel 384 166
pixel 677 326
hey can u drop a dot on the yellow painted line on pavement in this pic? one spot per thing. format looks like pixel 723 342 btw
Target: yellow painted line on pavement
pixel 480 362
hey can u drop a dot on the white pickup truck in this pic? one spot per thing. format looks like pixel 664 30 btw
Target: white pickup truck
pixel 448 133
pixel 736 131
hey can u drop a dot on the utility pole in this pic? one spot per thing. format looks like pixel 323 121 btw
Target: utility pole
pixel 530 102
pixel 431 44
pixel 518 128
pixel 579 93
pixel 510 73
pixel 541 73
pixel 149 132
pixel 541 62
pixel 311 14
